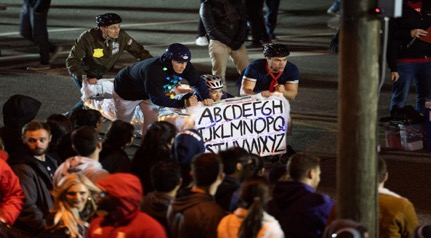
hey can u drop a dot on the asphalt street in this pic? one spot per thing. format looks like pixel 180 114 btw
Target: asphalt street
pixel 303 25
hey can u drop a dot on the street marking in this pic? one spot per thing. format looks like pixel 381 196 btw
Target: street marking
pixel 122 25
pixel 194 60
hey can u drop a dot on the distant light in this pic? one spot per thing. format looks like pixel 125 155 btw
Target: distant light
pixel 378 10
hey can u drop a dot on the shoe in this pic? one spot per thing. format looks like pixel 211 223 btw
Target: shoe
pixel 334 9
pixel 39 67
pixel 55 53
pixel 332 12
pixel 66 114
pixel 266 41
pixel 274 39
pixel 202 41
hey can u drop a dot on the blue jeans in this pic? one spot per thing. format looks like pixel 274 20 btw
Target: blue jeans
pixel 201 27
pixel 80 103
pixel 272 7
pixel 33 27
pixel 420 73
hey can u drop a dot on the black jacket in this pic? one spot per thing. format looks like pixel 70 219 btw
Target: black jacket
pixel 37 185
pixel 225 191
pixel 114 159
pixel 153 78
pixel 400 43
pixel 225 21
pixel 194 215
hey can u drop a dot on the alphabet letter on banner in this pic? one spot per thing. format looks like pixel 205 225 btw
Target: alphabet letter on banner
pixel 254 123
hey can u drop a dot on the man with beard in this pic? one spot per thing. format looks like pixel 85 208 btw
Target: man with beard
pixel 272 74
pixel 34 168
pixel 97 50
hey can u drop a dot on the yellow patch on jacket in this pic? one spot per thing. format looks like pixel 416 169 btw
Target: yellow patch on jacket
pixel 98 53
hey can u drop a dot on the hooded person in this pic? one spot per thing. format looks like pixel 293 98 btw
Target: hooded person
pixel 17 111
pixel 194 213
pixel 187 143
pixel 121 199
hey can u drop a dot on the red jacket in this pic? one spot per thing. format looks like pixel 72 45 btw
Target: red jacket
pixel 11 194
pixel 132 223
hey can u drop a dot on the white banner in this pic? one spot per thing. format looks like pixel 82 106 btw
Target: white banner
pixel 257 124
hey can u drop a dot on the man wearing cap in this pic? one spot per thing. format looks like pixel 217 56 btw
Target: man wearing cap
pixel 272 74
pixel 149 83
pixel 97 50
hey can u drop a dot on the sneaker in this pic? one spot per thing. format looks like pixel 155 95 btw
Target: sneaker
pixel 330 11
pixel 334 9
pixel 39 67
pixel 274 39
pixel 266 41
pixel 55 53
pixel 202 41
pixel 66 114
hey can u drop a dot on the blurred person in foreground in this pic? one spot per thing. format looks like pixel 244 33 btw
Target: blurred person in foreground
pixel 121 200
pixel 250 219
pixel 195 214
pixel 301 211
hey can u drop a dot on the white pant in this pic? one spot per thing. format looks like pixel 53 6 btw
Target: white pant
pixel 125 110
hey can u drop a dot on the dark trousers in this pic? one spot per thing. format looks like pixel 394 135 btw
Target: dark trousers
pixel 254 10
pixel 272 7
pixel 33 27
pixel 80 103
pixel 201 27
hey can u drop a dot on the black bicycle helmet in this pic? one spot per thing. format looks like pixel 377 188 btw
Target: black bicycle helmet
pixel 275 50
pixel 108 19
pixel 177 52
pixel 212 81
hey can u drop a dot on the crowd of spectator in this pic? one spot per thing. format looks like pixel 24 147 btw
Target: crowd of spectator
pixel 170 187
